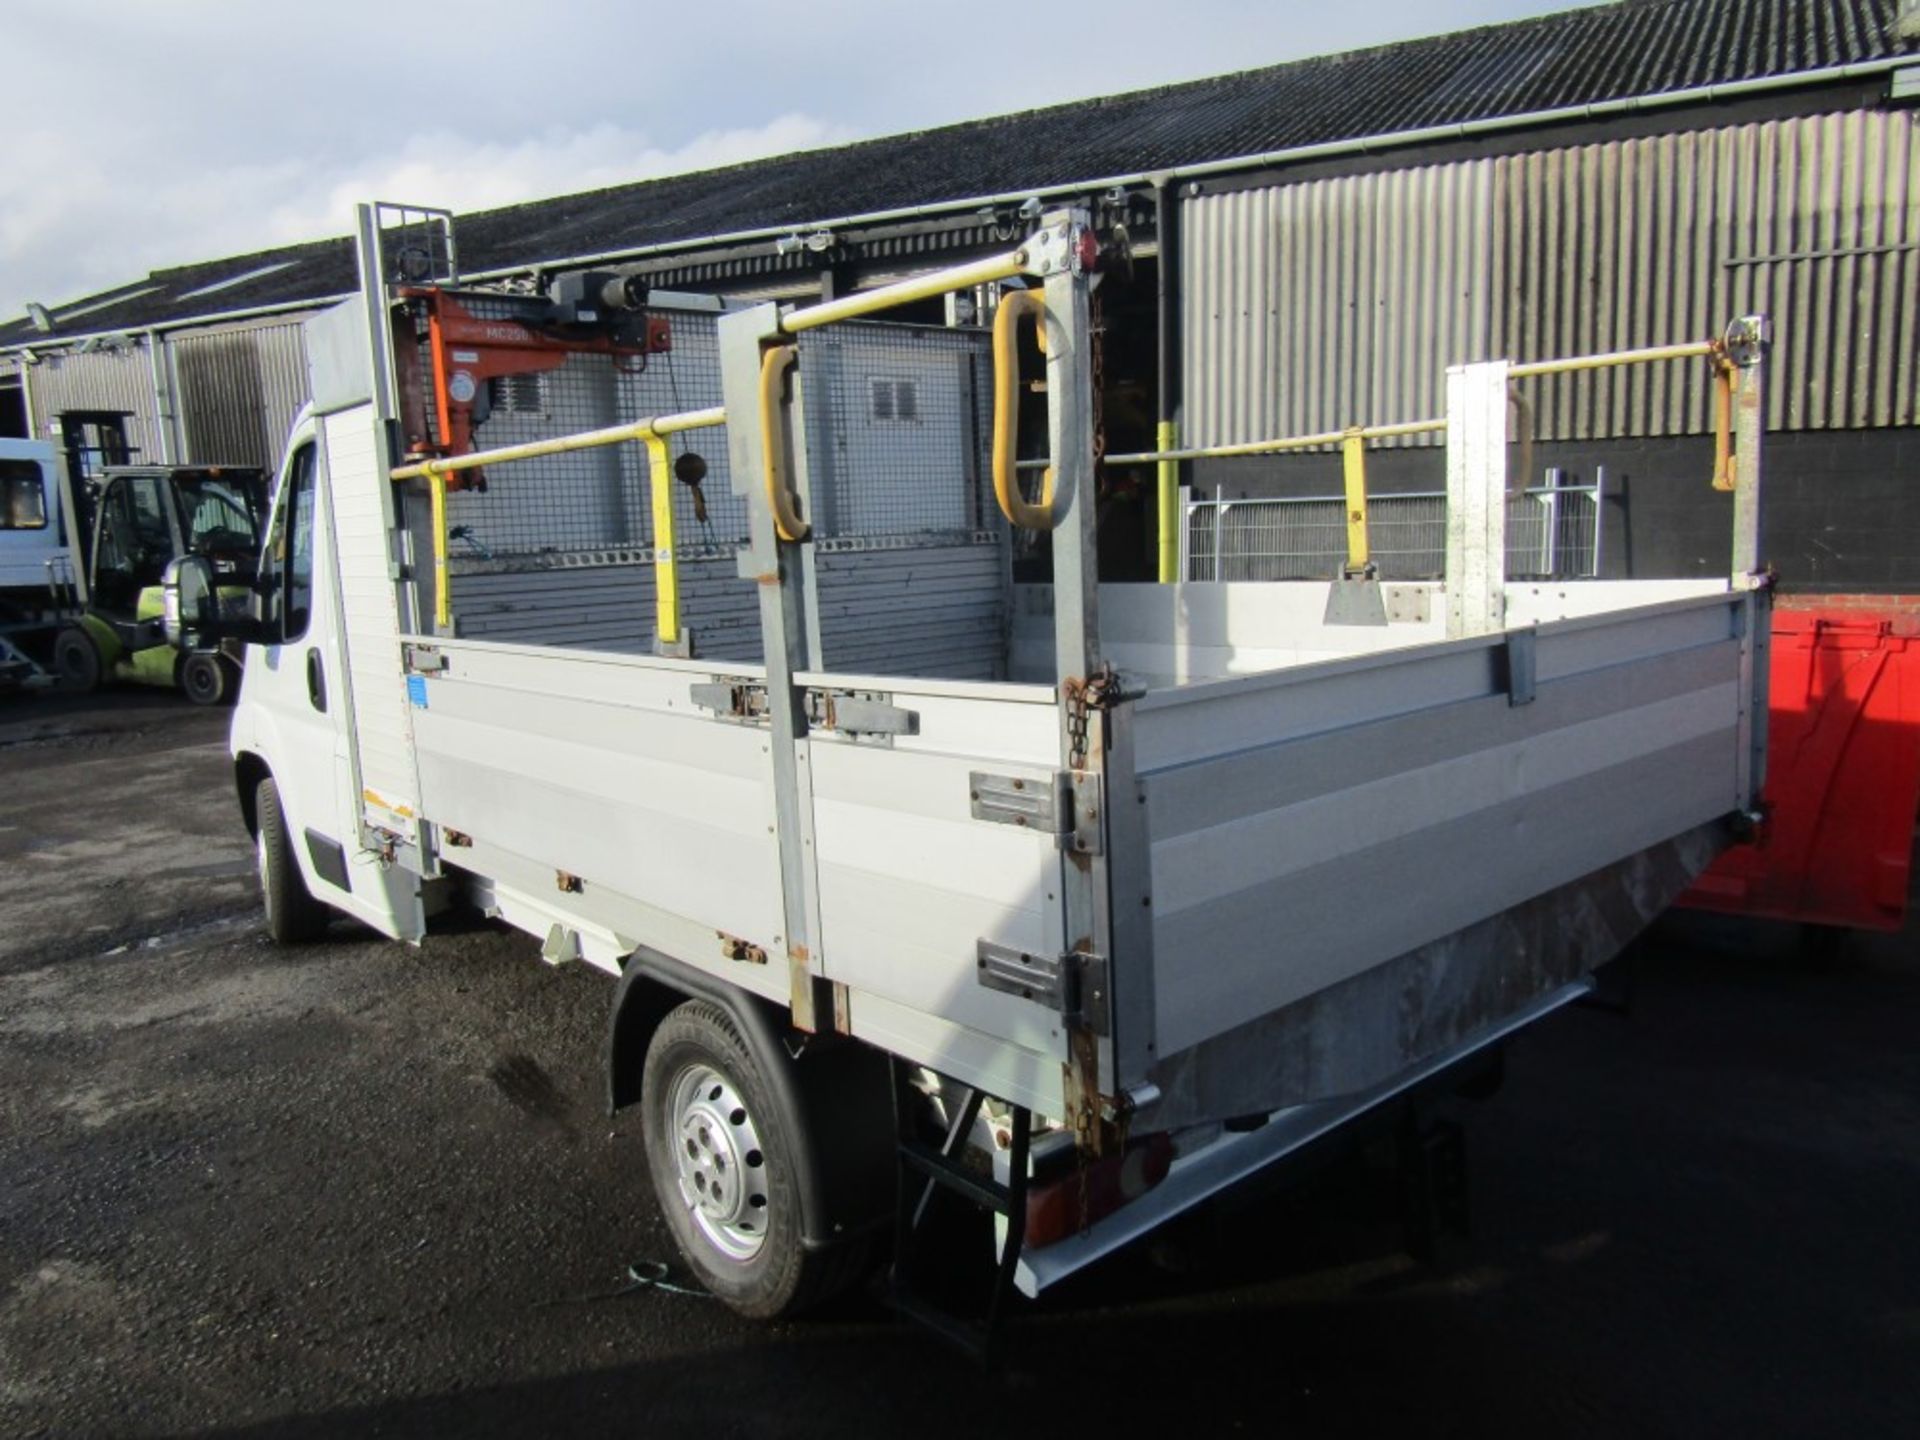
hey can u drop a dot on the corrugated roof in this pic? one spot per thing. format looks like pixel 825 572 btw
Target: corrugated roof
pixel 1578 57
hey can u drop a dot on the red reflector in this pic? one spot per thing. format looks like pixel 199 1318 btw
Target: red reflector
pixel 1089 249
pixel 1054 1210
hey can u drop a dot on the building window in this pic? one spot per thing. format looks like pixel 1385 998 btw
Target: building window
pixel 23 496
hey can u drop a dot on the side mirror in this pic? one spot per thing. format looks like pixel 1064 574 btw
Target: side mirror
pixel 190 609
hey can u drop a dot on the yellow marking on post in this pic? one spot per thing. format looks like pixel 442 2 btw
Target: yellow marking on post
pixel 1167 503
pixel 666 570
pixel 1353 464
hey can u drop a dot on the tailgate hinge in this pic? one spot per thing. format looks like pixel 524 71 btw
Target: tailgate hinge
pixel 1074 984
pixel 731 701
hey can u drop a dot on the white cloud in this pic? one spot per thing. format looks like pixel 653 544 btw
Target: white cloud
pixel 68 234
pixel 462 174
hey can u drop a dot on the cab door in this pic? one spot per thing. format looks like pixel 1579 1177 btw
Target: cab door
pixel 295 711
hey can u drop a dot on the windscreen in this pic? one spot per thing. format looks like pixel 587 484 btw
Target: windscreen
pixel 220 516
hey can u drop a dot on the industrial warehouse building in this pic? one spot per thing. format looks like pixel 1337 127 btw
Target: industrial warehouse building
pixel 1312 245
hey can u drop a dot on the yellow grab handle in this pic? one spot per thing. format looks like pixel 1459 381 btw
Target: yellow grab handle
pixel 1723 478
pixel 773 370
pixel 442 588
pixel 1006 412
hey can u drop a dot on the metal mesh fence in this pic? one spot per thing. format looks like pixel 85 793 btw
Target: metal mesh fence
pixel 897 432
pixel 1552 533
pixel 596 500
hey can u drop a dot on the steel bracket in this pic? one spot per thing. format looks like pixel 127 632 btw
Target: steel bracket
pixel 1054 249
pixel 424 659
pixel 1045 806
pixel 860 714
pixel 1074 984
pixel 731 701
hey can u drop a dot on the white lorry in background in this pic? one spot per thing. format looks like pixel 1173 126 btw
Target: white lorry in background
pixel 1075 904
pixel 39 581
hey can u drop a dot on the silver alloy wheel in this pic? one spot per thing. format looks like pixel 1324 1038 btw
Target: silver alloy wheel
pixel 723 1176
pixel 261 862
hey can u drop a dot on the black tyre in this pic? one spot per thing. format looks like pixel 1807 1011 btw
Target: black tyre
pixel 726 1173
pixel 206 679
pixel 294 917
pixel 76 659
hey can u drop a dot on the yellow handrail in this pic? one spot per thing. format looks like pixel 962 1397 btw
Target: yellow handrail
pixel 1688 351
pixel 652 433
pixel 774 365
pixel 902 292
pixel 562 444
pixel 1288 442
pixel 1006 412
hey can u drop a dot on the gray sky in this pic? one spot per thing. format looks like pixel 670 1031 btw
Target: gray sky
pixel 146 133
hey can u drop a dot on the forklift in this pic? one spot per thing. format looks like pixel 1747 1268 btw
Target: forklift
pixel 143 517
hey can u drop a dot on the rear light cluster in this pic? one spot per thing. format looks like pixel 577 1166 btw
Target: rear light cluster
pixel 1068 1204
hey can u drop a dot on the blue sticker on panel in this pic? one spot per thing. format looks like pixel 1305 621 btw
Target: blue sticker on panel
pixel 417 691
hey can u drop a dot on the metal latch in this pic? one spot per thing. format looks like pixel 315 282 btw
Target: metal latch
pixel 733 701
pixel 1074 984
pixel 423 659
pixel 859 713
pixel 1044 805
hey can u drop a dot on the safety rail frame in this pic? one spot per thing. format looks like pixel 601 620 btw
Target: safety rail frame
pixel 650 432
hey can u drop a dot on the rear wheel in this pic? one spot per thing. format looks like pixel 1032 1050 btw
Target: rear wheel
pixel 205 678
pixel 76 659
pixel 294 917
pixel 726 1172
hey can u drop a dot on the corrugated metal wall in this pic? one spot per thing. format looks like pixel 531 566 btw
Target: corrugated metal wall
pixel 1312 307
pixel 233 391
pixel 238 390
pixel 118 378
pixel 1335 302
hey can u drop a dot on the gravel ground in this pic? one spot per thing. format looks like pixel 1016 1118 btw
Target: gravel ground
pixel 361 1189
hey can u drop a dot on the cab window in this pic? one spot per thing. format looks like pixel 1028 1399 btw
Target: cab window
pixel 23 496
pixel 286 567
pixel 134 542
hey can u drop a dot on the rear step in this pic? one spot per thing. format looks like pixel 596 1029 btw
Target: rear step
pixel 926 1171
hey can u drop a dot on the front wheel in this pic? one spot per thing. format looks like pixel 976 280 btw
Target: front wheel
pixel 725 1171
pixel 77 659
pixel 294 917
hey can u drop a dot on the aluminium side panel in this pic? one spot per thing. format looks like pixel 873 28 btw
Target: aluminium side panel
pixel 1307 827
pixel 911 881
pixel 601 767
pixel 369 600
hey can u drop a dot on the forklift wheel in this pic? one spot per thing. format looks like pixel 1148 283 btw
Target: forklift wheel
pixel 205 679
pixel 76 659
